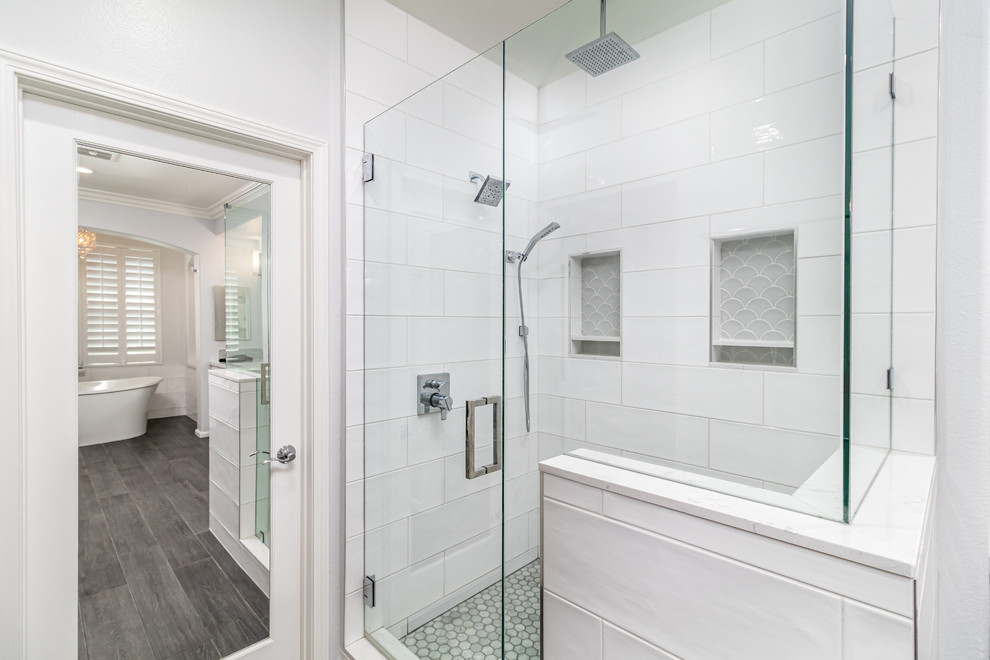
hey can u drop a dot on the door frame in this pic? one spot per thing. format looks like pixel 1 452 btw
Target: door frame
pixel 322 333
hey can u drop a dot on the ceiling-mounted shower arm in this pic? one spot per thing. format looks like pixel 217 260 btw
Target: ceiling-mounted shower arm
pixel 602 33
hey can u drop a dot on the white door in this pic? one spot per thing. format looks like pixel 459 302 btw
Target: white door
pixel 51 133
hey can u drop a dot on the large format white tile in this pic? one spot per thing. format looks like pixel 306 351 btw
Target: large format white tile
pixel 873 35
pixel 819 286
pixel 384 446
pixel 680 48
pixel 673 292
pixel 716 188
pixel 743 22
pixel 620 645
pixel 667 340
pixel 570 633
pixel 386 549
pixel 872 109
pixel 672 244
pixel 468 561
pixel 917 26
pixel 732 394
pixel 915 183
pixel 562 97
pixel 767 454
pixel 585 212
pixel 391 393
pixel 871 276
pixel 384 236
pixel 562 177
pixel 806 53
pixel 410 590
pixel 434 52
pixel 445 152
pixel 913 425
pixel 472 117
pixel 662 150
pixel 824 210
pixel 819 345
pixel 717 84
pixel 383 341
pixel 871 185
pixel 694 595
pixel 804 171
pixel 376 75
pixel 914 270
pixel 803 403
pixel 395 495
pixel 581 130
pixel 871 339
pixel 401 188
pixel 916 85
pixel 679 438
pixel 913 358
pixel 403 291
pixel 378 23
pixel 431 438
pixel 594 380
pixel 446 339
pixel 561 416
pixel 445 526
pixel 472 294
pixel 869 633
pixel 802 113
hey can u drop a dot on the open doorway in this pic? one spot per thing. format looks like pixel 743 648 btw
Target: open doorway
pixel 173 479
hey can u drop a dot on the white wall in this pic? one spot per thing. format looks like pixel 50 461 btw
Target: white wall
pixel 177 393
pixel 194 236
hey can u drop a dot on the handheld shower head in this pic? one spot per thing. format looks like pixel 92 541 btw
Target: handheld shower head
pixel 512 256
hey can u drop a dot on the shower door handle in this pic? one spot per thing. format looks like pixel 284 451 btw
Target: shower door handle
pixel 471 471
pixel 265 400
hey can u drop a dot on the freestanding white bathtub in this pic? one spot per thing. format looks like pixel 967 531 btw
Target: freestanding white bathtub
pixel 112 410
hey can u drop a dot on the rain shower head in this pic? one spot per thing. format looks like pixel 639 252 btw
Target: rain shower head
pixel 490 193
pixel 608 52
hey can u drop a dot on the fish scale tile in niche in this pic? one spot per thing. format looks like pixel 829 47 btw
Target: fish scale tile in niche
pixel 600 296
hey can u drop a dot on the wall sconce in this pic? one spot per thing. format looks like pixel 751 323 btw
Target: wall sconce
pixel 256 262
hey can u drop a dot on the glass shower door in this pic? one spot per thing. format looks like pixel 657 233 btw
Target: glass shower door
pixel 246 295
pixel 433 406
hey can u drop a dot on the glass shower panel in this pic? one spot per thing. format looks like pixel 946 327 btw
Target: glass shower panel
pixel 433 398
pixel 247 224
pixel 871 232
pixel 690 316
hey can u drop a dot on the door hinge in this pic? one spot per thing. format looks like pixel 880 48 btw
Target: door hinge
pixel 368 167
pixel 890 87
pixel 890 378
pixel 369 590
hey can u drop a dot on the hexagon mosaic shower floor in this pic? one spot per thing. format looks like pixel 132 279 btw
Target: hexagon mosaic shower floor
pixel 471 629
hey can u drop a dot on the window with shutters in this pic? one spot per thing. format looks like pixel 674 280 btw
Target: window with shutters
pixel 120 314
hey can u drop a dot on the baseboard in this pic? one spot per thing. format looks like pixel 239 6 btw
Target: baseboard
pixel 202 434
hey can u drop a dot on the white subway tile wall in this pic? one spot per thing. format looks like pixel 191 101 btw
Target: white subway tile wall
pixel 731 123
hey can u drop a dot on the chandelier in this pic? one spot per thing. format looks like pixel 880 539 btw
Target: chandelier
pixel 87 241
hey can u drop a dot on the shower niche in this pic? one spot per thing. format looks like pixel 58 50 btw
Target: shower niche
pixel 754 299
pixel 595 304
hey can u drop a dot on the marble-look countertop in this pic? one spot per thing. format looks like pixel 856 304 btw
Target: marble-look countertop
pixel 235 375
pixel 886 533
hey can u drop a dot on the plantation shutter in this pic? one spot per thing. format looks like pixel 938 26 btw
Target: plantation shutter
pixel 232 311
pixel 120 298
pixel 141 305
pixel 102 306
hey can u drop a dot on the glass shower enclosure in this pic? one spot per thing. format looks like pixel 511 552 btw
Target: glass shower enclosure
pixel 625 237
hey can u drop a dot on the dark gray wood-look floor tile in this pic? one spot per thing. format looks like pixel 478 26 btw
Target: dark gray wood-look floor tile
pixel 249 591
pixel 170 619
pixel 102 472
pixel 82 653
pixel 232 624
pixel 99 568
pixel 153 461
pixel 201 453
pixel 89 505
pixel 192 505
pixel 113 628
pixel 184 551
pixel 204 652
pixel 128 529
pixel 190 470
pixel 122 455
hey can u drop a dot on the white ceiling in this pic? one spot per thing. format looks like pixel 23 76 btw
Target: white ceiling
pixel 537 53
pixel 146 183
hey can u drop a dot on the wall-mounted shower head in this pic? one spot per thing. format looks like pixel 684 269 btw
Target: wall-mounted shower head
pixel 490 193
pixel 602 55
pixel 512 256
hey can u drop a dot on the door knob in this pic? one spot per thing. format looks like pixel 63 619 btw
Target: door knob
pixel 284 454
